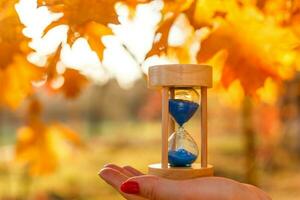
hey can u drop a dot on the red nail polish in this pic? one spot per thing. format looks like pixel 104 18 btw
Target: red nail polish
pixel 130 187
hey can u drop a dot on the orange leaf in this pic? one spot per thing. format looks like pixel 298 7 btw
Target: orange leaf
pixel 252 56
pixel 163 34
pixel 93 33
pixel 187 51
pixel 73 84
pixel 11 36
pixel 52 62
pixel 16 81
pixel 40 145
pixel 60 21
pixel 242 63
pixel 91 23
pixel 177 6
pixel 66 133
pixel 160 45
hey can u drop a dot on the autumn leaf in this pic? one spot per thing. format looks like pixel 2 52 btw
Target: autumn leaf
pixel 41 146
pixel 295 19
pixel 186 52
pixel 160 42
pixel 88 19
pixel 16 73
pixel 234 28
pixel 91 23
pixel 206 12
pixel 284 13
pixel 51 69
pixel 73 83
pixel 270 91
pixel 16 81
pixel 252 57
pixel 176 6
pixel 171 11
pixel 71 80
pixel 10 33
pixel 91 32
pixel 77 12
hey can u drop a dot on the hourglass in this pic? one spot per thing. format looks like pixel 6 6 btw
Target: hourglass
pixel 180 100
pixel 182 149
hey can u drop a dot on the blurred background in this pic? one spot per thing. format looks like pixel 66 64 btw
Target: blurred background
pixel 73 90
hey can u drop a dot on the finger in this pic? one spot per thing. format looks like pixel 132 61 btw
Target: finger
pixel 112 177
pixel 217 188
pixel 120 169
pixel 152 187
pixel 262 195
pixel 133 171
pixel 115 179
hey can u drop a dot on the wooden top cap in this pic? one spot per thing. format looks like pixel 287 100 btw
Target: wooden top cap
pixel 180 75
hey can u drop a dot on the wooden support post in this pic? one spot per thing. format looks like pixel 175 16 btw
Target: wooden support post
pixel 203 127
pixel 171 120
pixel 165 126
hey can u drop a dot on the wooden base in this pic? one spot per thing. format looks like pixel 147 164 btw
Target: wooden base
pixel 181 173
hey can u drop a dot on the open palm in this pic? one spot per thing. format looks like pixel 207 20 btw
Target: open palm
pixel 155 188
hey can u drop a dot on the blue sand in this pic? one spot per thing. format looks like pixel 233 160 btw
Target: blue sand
pixel 181 158
pixel 182 110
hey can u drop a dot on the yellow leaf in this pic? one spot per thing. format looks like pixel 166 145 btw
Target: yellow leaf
pixel 11 36
pixel 269 92
pixel 16 73
pixel 72 83
pixel 218 61
pixel 162 34
pixel 16 81
pixel 176 6
pixel 206 11
pixel 254 53
pixel 232 96
pixel 41 146
pixel 187 51
pixel 93 33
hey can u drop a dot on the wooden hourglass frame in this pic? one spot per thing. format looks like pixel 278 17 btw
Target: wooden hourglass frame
pixel 166 78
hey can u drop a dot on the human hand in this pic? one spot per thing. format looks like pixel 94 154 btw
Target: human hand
pixel 134 185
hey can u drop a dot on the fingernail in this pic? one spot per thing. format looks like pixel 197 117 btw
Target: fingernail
pixel 130 187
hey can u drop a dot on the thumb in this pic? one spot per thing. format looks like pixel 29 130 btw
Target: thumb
pixel 152 187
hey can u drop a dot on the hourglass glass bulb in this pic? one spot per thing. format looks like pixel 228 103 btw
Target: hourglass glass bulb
pixel 188 94
pixel 184 104
pixel 183 150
